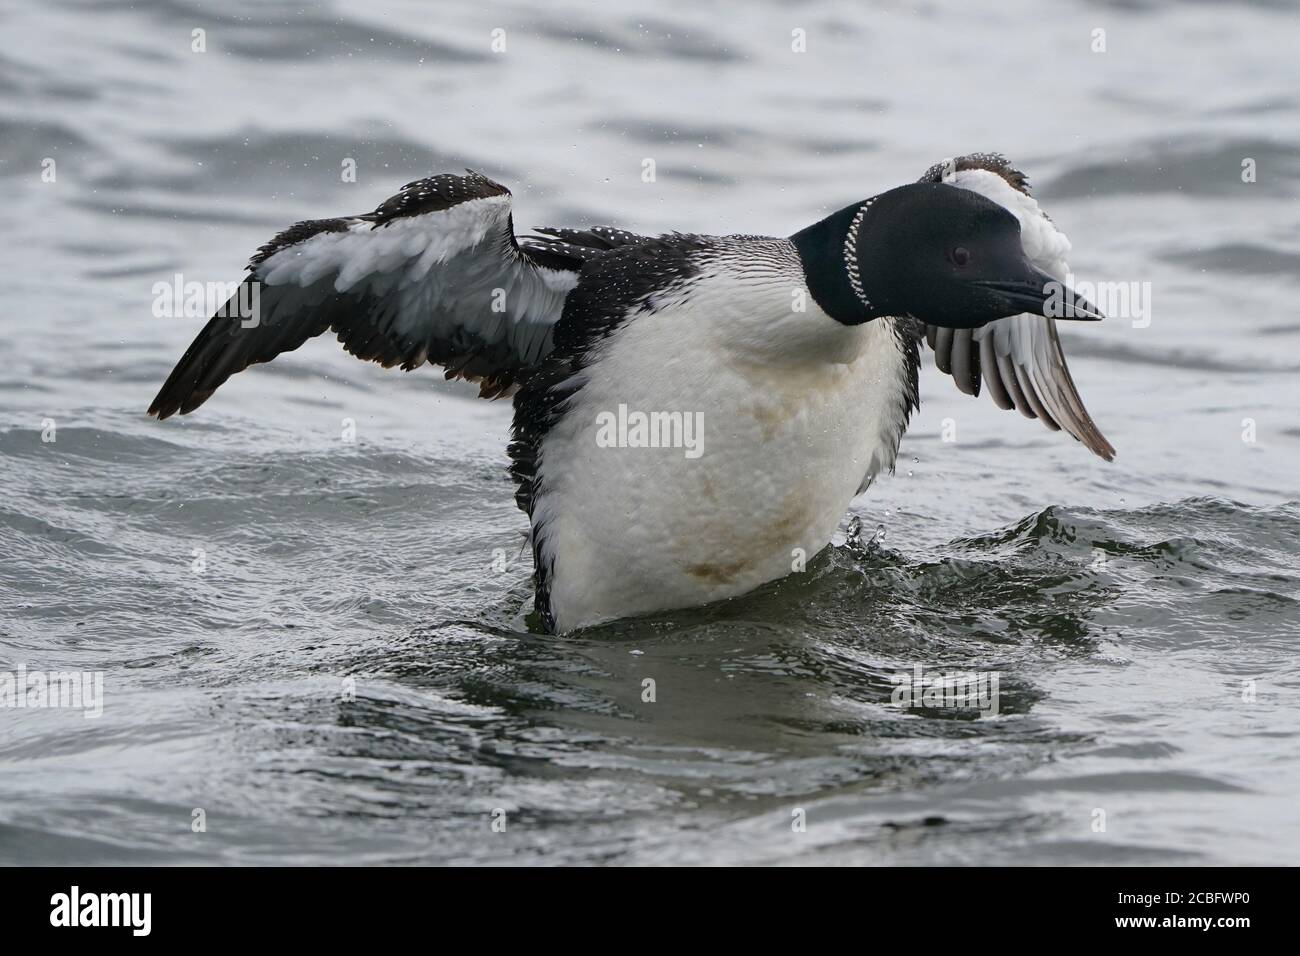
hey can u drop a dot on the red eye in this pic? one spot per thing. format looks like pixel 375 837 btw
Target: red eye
pixel 961 256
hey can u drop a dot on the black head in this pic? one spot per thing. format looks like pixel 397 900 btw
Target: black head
pixel 942 254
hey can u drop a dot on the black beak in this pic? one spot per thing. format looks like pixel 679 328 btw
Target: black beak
pixel 1043 295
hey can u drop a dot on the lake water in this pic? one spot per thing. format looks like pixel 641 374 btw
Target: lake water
pixel 304 641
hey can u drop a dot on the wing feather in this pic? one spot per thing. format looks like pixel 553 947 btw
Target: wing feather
pixel 1018 358
pixel 434 274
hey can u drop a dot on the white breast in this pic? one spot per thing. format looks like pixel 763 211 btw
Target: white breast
pixel 794 411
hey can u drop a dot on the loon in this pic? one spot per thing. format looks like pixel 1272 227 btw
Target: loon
pixel 797 358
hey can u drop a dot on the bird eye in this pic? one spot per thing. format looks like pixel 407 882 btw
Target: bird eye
pixel 961 256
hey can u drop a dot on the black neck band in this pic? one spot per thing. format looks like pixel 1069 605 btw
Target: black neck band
pixel 821 250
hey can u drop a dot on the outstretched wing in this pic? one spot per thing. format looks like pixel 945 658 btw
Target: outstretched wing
pixel 435 274
pixel 1019 358
pixel 578 245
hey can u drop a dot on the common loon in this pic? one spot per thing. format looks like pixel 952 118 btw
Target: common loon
pixel 691 413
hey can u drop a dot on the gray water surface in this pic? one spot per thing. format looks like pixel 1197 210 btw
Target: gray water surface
pixel 350 679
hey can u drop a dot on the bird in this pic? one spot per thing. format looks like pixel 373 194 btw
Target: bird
pixel 692 414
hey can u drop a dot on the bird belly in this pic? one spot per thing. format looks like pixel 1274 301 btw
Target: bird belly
pixel 741 479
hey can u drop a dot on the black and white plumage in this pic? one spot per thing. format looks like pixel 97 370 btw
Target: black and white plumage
pixel 1019 358
pixel 798 358
pixel 412 282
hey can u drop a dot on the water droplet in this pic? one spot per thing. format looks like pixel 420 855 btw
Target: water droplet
pixel 853 533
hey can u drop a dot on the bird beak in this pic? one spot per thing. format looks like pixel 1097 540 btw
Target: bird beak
pixel 1041 294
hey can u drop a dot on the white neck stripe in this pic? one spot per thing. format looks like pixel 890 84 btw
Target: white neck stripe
pixel 851 254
